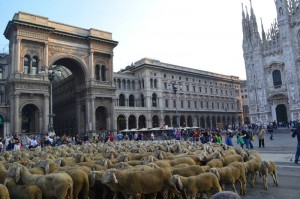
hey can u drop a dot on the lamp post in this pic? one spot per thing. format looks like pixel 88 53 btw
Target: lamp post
pixel 174 87
pixel 51 75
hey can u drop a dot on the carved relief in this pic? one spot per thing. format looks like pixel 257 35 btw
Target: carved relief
pixel 37 35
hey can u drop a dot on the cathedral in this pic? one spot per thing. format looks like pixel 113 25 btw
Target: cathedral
pixel 272 62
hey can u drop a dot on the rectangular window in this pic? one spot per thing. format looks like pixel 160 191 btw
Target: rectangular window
pixel 207 105
pixel 212 105
pixel 218 105
pixel 205 90
pixel 194 88
pixel 181 104
pixel 166 85
pixel 211 90
pixel 200 89
pixel 201 105
pixel 174 103
pixel 166 103
pixel 245 96
pixel 189 104
pixel 195 104
pixel 165 75
pixel 187 88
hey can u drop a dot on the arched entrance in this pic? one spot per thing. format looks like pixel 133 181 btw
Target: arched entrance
pixel 121 122
pixel 30 119
pixel 69 101
pixel 281 113
pixel 168 120
pixel 142 121
pixel 131 122
pixel 155 121
pixel 101 119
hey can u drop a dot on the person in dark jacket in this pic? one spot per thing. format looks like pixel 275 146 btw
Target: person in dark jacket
pixel 296 132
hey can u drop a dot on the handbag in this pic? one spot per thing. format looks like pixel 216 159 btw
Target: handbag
pixel 252 137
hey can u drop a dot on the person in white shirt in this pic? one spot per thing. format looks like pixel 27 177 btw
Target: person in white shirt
pixel 33 143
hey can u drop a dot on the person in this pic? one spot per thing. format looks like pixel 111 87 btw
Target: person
pixel 296 132
pixel 261 137
pixel 120 136
pixel 178 135
pixel 246 137
pixel 270 130
pixel 152 136
pixel 240 140
pixel 111 137
pixel 228 139
pixel 219 138
pixel 1 145
pixel 33 143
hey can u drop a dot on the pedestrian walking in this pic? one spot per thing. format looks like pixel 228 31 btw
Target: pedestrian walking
pixel 270 130
pixel 240 140
pixel 296 132
pixel 261 137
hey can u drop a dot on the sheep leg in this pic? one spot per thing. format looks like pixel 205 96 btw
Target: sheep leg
pixel 265 178
pixel 241 187
pixel 275 180
pixel 209 195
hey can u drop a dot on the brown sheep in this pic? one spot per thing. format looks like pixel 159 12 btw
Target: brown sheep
pixel 136 183
pixel 204 182
pixel 191 170
pixel 267 167
pixel 22 191
pixel 59 185
pixel 4 194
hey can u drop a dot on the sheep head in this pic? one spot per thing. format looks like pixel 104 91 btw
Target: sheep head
pixel 15 171
pixel 265 164
pixel 216 172
pixel 148 159
pixel 176 180
pixel 108 176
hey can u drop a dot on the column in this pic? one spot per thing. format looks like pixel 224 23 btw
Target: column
pixel 91 64
pixel 113 114
pixel 18 55
pixel 87 114
pixel 126 122
pixel 110 67
pixel 41 130
pixel 78 119
pixel 46 113
pixel 17 113
pixel 93 116
pixel 13 63
pixel 46 48
pixel 273 111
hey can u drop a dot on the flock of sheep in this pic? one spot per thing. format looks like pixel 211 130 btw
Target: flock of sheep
pixel 130 169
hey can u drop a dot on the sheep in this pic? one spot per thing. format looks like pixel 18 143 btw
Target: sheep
pixel 136 183
pixel 22 191
pixel 231 158
pixel 79 177
pixel 191 170
pixel 3 173
pixel 265 168
pixel 215 163
pixel 204 182
pixel 226 195
pixel 252 167
pixel 97 188
pixel 59 185
pixel 4 194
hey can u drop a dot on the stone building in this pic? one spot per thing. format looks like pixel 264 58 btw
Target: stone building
pixel 272 62
pixel 146 98
pixel 60 77
pixel 245 102
pixel 80 64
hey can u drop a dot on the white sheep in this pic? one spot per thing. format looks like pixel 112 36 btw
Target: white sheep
pixel 252 167
pixel 267 167
pixel 59 185
pixel 22 191
pixel 204 182
pixel 190 170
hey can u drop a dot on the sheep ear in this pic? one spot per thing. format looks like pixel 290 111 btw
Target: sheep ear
pixel 180 185
pixel 115 178
pixel 47 168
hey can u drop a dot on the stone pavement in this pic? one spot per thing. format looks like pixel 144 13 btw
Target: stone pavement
pixel 280 150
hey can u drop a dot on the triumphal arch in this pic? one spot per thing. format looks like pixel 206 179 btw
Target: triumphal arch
pixel 59 77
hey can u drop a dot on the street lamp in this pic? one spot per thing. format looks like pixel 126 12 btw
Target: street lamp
pixel 175 87
pixel 51 74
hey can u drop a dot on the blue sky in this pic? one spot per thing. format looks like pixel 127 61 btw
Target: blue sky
pixel 206 35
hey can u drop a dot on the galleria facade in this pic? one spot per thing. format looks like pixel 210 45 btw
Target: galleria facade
pixel 65 73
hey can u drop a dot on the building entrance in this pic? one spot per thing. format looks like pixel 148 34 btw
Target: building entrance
pixel 281 113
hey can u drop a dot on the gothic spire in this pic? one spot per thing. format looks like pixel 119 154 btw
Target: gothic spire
pixel 263 34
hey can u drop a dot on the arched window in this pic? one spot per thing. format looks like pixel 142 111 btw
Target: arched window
pixel 277 78
pixel 131 100
pixel 121 100
pixel 26 64
pixel 35 64
pixel 103 73
pixel 155 83
pixel 133 85
pixel 154 100
pixel 142 100
pixel 151 83
pixel 97 72
pixel 1 73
